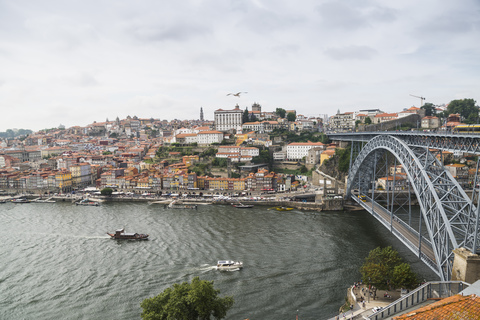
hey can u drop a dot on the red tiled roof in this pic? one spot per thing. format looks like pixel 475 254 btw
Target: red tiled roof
pixel 454 307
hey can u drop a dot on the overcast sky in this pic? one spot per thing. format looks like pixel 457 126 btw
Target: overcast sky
pixel 73 62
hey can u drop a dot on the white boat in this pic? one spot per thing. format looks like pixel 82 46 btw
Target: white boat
pixel 229 265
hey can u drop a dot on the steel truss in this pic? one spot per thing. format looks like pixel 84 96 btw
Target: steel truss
pixel 448 213
pixel 454 142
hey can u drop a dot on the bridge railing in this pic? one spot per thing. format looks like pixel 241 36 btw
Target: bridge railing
pixel 429 290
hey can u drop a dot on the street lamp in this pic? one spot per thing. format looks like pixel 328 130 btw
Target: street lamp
pixel 297 314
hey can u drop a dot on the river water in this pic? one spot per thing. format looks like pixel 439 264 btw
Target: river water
pixel 56 261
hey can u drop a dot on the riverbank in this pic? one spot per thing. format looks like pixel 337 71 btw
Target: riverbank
pixel 284 201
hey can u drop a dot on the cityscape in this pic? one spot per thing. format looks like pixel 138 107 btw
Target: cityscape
pixel 148 155
pixel 239 160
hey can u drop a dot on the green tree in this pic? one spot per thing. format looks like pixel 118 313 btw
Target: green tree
pixel 106 191
pixel 197 300
pixel 466 108
pixel 429 109
pixel 280 112
pixel 404 277
pixel 384 268
pixel 368 120
pixel 291 116
pixel 245 116
pixel 343 159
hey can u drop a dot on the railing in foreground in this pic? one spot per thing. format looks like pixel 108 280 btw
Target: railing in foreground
pixel 429 290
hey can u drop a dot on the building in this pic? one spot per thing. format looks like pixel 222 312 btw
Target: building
pixel 343 122
pixel 298 150
pixel 430 122
pixel 226 120
pixel 209 137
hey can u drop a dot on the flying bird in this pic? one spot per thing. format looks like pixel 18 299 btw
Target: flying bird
pixel 236 94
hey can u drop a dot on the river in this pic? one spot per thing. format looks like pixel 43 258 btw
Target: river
pixel 58 263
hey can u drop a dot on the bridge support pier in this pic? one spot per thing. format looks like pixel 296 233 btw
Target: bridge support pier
pixel 466 266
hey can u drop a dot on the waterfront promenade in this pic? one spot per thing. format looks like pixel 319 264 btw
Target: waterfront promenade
pixel 362 309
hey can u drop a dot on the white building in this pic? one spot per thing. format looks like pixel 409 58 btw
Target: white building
pixel 343 122
pixel 209 137
pixel 228 119
pixel 236 152
pixel 298 150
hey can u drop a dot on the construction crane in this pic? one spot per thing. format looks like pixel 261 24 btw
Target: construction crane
pixel 421 99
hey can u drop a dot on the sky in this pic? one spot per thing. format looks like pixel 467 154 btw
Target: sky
pixel 73 62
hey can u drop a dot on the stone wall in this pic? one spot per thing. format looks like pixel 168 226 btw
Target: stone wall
pixel 466 266
pixel 392 124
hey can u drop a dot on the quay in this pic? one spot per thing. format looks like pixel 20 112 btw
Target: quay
pixel 332 204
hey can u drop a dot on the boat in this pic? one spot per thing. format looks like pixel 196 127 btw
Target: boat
pixel 20 200
pixel 120 234
pixel 242 206
pixel 86 202
pixel 177 205
pixel 283 208
pixel 229 265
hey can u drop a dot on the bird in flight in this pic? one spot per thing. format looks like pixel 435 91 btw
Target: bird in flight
pixel 236 94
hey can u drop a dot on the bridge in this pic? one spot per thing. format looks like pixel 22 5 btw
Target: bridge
pixel 447 217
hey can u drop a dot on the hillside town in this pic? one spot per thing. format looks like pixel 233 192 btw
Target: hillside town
pixel 239 151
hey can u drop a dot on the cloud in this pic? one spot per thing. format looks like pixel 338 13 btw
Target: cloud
pixel 351 53
pixel 175 32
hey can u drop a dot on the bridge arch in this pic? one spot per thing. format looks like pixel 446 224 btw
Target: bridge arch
pixel 446 209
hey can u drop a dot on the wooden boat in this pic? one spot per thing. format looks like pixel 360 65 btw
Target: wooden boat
pixel 120 234
pixel 283 209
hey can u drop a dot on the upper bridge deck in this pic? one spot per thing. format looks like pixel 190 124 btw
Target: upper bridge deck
pixel 447 141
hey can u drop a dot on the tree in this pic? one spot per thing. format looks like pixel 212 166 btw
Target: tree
pixel 190 301
pixel 466 108
pixel 291 116
pixel 343 159
pixel 280 112
pixel 429 109
pixel 245 116
pixel 106 191
pixel 368 120
pixel 384 268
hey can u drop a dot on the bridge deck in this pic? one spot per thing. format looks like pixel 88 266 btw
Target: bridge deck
pixel 406 234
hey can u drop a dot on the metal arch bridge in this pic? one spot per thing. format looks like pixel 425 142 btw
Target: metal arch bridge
pixel 447 213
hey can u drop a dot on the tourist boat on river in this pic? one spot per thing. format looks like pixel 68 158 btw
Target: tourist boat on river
pixel 120 234
pixel 229 265
pixel 87 202
pixel 20 200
